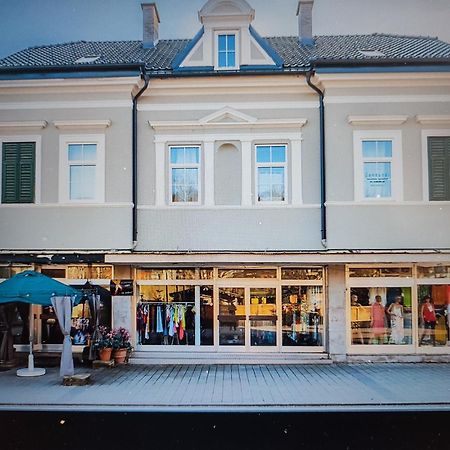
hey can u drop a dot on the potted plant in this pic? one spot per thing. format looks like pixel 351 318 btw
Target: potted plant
pixel 104 344
pixel 121 344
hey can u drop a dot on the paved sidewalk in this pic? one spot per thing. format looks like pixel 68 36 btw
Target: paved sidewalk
pixel 190 388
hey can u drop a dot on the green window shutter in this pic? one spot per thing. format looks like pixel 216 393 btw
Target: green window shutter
pixel 439 168
pixel 18 172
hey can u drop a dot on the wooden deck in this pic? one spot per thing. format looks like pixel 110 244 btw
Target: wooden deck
pixel 236 387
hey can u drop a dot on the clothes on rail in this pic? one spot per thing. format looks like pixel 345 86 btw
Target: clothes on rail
pixel 160 323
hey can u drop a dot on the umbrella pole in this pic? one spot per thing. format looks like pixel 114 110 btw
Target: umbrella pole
pixel 31 371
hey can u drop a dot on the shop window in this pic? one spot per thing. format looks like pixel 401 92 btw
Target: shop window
pixel 381 316
pixel 10 271
pixel 232 316
pixel 89 272
pixel 271 173
pixel 307 273
pixel 433 315
pixel 247 273
pixel 54 273
pixel 263 318
pixel 433 271
pixel 185 174
pixel 380 272
pixel 173 274
pixel 206 315
pixel 82 168
pixel 302 316
pixel 165 315
pixel 378 170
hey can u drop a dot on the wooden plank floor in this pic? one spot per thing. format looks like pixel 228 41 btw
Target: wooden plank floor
pixel 236 387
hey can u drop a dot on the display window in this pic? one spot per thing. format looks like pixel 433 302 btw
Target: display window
pixel 231 308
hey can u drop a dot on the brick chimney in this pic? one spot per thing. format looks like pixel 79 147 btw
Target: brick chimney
pixel 150 25
pixel 304 13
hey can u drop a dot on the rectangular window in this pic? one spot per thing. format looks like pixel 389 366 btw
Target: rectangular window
pixel 185 174
pixel 18 172
pixel 82 168
pixel 439 168
pixel 377 162
pixel 226 51
pixel 82 160
pixel 378 165
pixel 271 173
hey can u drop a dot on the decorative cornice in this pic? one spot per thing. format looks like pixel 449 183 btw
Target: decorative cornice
pixel 81 124
pixel 433 119
pixel 274 123
pixel 29 125
pixel 377 120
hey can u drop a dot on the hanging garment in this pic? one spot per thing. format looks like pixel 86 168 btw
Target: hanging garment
pixel 159 325
pixel 181 324
pixel 147 322
pixel 398 331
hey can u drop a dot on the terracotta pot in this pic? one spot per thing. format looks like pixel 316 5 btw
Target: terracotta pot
pixel 119 355
pixel 104 354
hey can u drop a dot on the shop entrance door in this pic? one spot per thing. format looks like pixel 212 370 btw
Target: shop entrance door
pixel 247 317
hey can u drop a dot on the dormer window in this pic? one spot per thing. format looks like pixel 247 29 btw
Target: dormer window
pixel 226 54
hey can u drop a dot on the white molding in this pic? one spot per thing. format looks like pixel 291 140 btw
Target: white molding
pixel 85 124
pixel 260 123
pixel 64 141
pixel 246 181
pixel 188 106
pixel 64 82
pixel 425 182
pixel 377 120
pixel 66 205
pixel 234 207
pixel 226 112
pixel 233 136
pixel 38 165
pixel 433 119
pixel 397 164
pixel 275 258
pixel 237 46
pixel 25 125
pixel 346 99
pixel 76 104
pixel 208 172
pixel 389 203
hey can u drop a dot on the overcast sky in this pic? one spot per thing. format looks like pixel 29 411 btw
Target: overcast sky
pixel 25 23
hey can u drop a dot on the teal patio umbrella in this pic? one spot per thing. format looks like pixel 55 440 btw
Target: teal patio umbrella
pixel 36 288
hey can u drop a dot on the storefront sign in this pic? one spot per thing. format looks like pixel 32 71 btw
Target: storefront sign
pixel 121 287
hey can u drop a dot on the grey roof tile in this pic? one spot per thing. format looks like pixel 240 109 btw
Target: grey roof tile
pixel 295 56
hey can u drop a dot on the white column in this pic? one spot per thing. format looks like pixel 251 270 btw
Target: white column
pixel 246 149
pixel 209 172
pixel 197 315
pixel 296 172
pixel 160 179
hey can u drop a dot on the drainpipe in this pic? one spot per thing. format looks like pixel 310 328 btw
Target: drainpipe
pixel 323 195
pixel 135 98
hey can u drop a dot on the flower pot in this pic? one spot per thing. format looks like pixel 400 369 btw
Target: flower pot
pixel 120 355
pixel 104 354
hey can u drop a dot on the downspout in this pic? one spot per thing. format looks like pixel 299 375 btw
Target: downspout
pixel 323 194
pixel 135 98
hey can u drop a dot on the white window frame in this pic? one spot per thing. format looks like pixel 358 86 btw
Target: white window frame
pixel 284 165
pixel 396 164
pixel 218 33
pixel 425 179
pixel 197 166
pixel 64 166
pixel 37 176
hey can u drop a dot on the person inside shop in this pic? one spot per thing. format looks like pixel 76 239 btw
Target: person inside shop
pixel 427 316
pixel 357 337
pixel 395 312
pixel 377 321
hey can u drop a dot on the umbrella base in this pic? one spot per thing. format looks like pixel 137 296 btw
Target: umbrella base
pixel 35 372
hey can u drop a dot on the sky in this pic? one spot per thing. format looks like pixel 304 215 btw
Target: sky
pixel 25 23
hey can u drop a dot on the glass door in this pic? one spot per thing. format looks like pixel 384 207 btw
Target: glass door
pixel 263 317
pixel 232 316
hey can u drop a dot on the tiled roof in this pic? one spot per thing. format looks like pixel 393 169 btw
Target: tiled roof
pixel 295 56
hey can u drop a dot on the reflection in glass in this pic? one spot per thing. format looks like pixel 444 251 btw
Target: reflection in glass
pixel 231 316
pixel 372 272
pixel 381 316
pixel 263 319
pixel 377 179
pixel 434 315
pixel 247 273
pixel 302 315
pixel 433 271
pixel 306 273
pixel 206 316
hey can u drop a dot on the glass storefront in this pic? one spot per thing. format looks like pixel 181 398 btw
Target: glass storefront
pixel 272 308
